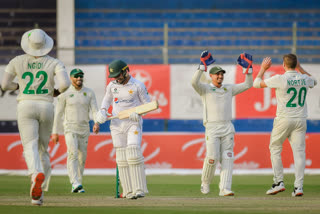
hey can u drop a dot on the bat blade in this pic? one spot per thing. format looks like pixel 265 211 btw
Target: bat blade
pixel 142 109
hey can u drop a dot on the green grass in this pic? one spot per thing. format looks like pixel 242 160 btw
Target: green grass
pixel 168 194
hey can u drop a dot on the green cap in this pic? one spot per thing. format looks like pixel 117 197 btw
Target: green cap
pixel 115 68
pixel 76 71
pixel 216 70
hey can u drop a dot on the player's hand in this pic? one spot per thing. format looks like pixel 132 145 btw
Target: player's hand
pixel 101 116
pixel 55 138
pixel 56 92
pixel 266 63
pixel 96 128
pixel 245 60
pixel 134 117
pixel 206 59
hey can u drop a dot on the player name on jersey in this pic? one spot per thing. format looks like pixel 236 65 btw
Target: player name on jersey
pixel 296 82
pixel 35 65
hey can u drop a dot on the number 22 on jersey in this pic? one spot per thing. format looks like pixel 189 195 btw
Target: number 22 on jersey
pixel 40 89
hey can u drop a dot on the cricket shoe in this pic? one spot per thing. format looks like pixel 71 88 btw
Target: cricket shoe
pixel 81 190
pixel 226 192
pixel 140 194
pixel 297 191
pixel 38 202
pixel 36 183
pixel 130 195
pixel 205 188
pixel 276 188
pixel 76 188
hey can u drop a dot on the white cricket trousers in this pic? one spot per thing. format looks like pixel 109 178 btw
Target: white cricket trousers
pixel 295 130
pixel 77 155
pixel 35 121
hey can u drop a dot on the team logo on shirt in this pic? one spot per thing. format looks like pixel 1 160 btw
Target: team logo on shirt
pixel 213 89
pixel 130 91
pixel 71 95
pixel 211 161
pixel 115 91
pixel 116 100
pixel 225 89
pixel 136 132
pixel 85 94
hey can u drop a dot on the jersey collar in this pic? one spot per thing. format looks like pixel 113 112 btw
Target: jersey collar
pixel 291 71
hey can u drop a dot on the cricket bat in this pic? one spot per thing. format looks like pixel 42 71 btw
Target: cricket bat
pixel 142 109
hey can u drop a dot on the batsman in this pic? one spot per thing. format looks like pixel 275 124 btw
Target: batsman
pixel 217 114
pixel 123 93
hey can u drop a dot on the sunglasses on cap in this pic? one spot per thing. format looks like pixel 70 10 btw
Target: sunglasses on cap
pixel 78 75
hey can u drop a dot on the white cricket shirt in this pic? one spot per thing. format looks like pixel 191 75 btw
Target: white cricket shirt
pixel 74 107
pixel 35 76
pixel 127 96
pixel 291 91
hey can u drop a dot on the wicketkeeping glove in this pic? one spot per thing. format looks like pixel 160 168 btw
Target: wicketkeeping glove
pixel 206 59
pixel 134 117
pixel 245 60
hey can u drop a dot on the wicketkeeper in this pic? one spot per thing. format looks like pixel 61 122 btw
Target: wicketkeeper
pixel 217 115
pixel 123 93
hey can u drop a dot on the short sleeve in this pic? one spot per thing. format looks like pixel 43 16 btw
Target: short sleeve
pixel 274 82
pixel 59 67
pixel 11 67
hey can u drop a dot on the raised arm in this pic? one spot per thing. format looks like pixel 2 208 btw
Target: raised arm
pixel 265 65
pixel 239 88
pixel 302 71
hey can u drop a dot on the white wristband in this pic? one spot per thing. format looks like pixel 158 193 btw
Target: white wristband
pixel 256 82
pixel 202 67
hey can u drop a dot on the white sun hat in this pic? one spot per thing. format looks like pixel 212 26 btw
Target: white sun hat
pixel 36 42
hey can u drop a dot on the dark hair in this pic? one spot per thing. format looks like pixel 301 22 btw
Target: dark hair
pixel 290 60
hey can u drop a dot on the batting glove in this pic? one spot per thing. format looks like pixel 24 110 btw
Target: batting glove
pixel 245 60
pixel 134 117
pixel 101 116
pixel 206 59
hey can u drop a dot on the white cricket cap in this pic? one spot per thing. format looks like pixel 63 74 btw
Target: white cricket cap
pixel 36 42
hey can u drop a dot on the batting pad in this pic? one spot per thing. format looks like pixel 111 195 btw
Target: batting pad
pixel 124 173
pixel 226 170
pixel 136 166
pixel 208 170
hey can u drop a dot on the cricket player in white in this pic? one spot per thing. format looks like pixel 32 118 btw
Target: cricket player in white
pixel 123 93
pixel 217 115
pixel 290 122
pixel 74 107
pixel 35 71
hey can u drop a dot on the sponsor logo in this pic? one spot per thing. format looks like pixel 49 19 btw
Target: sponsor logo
pixel 211 161
pixel 136 132
pixel 116 100
pixel 229 154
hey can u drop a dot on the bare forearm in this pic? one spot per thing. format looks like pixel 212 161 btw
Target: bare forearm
pixel 302 71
